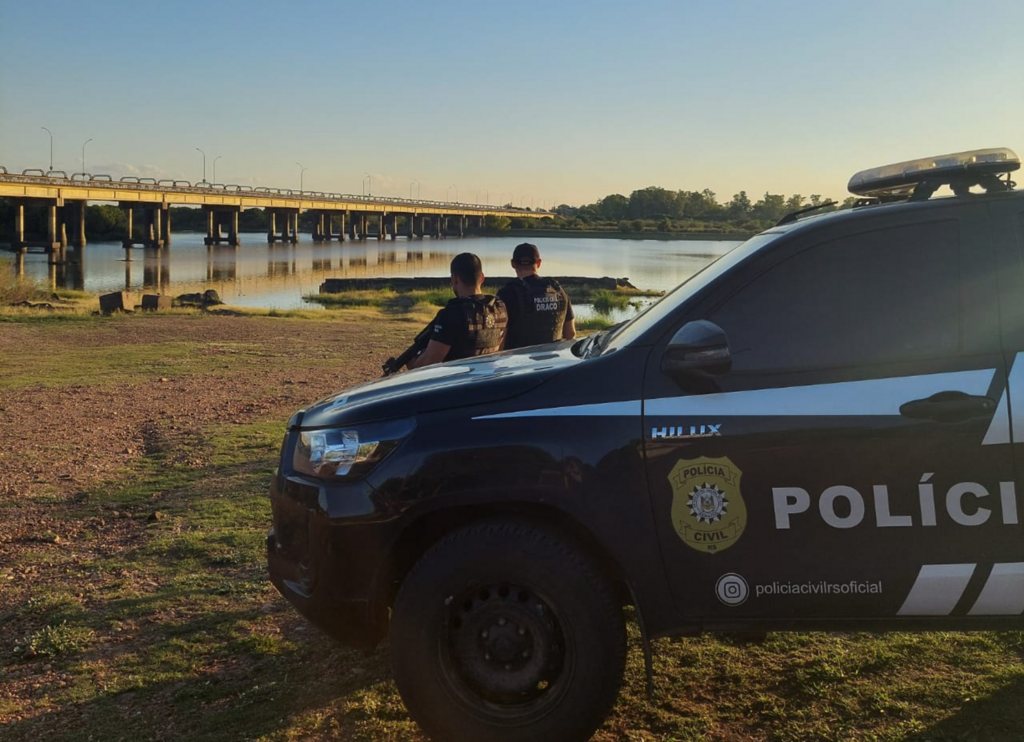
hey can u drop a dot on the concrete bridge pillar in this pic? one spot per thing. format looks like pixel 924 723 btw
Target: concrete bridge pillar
pixel 129 237
pixel 233 239
pixel 153 227
pixel 79 225
pixel 165 223
pixel 62 229
pixel 318 226
pixel 210 225
pixel 295 227
pixel 410 226
pixel 272 226
pixel 52 234
pixel 19 225
pixel 363 223
pixel 393 226
pixel 462 226
pixel 380 227
pixel 341 227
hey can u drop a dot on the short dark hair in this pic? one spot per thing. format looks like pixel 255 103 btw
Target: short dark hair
pixel 525 254
pixel 466 266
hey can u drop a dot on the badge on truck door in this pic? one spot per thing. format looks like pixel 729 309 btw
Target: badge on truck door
pixel 708 511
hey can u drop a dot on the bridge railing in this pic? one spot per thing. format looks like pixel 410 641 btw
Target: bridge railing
pixel 136 183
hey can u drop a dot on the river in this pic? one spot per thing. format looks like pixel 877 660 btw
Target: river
pixel 259 275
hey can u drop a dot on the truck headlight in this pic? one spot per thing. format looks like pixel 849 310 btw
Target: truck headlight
pixel 348 452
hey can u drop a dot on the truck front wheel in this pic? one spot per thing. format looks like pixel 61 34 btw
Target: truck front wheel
pixel 504 632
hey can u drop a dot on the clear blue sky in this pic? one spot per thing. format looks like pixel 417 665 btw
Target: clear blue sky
pixel 567 100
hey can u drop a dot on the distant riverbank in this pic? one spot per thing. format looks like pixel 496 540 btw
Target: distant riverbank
pixel 613 235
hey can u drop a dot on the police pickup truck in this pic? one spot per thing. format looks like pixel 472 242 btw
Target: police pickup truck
pixel 820 430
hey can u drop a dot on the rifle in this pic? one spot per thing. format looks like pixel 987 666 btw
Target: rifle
pixel 394 365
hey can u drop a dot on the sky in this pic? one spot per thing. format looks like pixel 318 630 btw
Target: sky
pixel 547 101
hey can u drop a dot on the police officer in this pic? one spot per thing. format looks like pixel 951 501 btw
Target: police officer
pixel 538 308
pixel 471 324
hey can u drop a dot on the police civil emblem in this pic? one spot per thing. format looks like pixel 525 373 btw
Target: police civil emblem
pixel 708 511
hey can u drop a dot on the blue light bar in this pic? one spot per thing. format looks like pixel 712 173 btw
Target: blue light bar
pixel 901 177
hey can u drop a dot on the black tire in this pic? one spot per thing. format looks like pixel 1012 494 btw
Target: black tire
pixel 503 632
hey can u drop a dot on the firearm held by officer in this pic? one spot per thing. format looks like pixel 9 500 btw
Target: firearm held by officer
pixel 471 324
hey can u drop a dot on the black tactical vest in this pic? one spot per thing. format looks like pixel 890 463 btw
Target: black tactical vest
pixel 486 320
pixel 542 310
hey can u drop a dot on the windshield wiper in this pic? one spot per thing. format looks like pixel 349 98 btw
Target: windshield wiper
pixel 601 340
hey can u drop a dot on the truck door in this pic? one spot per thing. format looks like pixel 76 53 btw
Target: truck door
pixel 847 465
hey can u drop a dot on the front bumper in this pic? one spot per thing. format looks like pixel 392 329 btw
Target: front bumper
pixel 329 568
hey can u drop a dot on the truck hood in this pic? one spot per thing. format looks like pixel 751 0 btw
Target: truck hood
pixel 472 381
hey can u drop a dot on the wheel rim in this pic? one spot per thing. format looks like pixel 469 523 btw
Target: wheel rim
pixel 503 651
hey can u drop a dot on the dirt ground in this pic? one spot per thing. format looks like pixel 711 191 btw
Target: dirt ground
pixel 76 422
pixel 102 429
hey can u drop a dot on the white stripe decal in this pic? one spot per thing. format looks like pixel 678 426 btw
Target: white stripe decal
pixel 871 397
pixel 868 397
pixel 1003 594
pixel 1015 387
pixel 631 408
pixel 999 429
pixel 937 590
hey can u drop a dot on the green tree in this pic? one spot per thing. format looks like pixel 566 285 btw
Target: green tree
pixel 613 207
pixel 650 201
pixel 497 223
pixel 740 207
pixel 771 208
pixel 637 225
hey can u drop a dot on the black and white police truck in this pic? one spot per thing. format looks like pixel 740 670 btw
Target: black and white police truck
pixel 820 430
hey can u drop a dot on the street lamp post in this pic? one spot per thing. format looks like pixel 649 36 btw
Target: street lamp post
pixel 368 182
pixel 215 167
pixel 51 144
pixel 302 173
pixel 204 163
pixel 83 153
pixel 450 190
pixel 487 194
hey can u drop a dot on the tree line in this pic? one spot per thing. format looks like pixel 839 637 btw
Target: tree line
pixel 660 209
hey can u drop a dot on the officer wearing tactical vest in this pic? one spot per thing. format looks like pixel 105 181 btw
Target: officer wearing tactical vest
pixel 471 324
pixel 538 308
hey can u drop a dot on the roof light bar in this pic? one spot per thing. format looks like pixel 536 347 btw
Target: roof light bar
pixel 901 178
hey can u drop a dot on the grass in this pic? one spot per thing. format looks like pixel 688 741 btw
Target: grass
pixel 593 323
pixel 383 298
pixel 15 289
pixel 179 635
pixel 605 301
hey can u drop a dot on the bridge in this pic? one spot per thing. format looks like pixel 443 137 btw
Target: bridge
pixel 336 216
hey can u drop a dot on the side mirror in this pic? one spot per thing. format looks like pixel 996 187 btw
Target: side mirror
pixel 699 347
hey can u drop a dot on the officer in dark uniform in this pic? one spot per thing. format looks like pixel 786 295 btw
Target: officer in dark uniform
pixel 539 310
pixel 471 324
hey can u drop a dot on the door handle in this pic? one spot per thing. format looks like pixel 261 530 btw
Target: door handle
pixel 948 407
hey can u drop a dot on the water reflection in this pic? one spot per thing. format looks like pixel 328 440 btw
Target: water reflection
pixel 258 274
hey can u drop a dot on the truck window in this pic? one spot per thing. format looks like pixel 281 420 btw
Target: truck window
pixel 878 297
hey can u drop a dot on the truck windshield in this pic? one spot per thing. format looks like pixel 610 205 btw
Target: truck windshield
pixel 627 333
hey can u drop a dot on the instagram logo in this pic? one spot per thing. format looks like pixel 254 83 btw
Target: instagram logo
pixel 732 589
